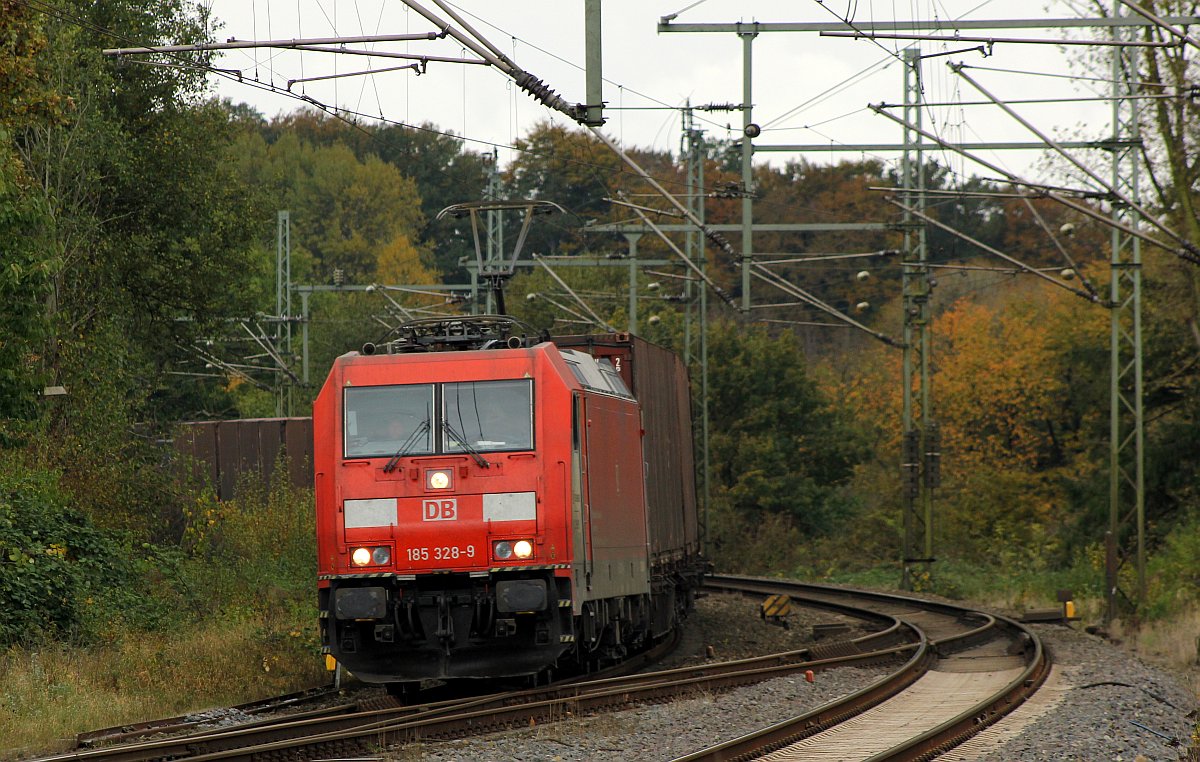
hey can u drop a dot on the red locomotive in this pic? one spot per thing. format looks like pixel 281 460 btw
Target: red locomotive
pixel 490 505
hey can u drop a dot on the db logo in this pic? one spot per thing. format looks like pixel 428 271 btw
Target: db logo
pixel 445 509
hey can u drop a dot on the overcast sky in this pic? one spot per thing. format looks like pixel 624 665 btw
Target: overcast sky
pixel 806 88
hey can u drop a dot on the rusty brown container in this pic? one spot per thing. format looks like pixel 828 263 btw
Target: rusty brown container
pixel 219 452
pixel 659 381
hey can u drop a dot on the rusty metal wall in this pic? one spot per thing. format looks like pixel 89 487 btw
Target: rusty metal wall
pixel 217 453
pixel 659 381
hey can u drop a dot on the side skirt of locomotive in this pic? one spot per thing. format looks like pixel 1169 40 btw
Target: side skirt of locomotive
pixel 406 628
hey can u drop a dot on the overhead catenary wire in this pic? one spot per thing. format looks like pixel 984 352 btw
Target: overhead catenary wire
pixel 1037 216
pixel 1008 40
pixel 374 83
pixel 622 88
pixel 342 113
pixel 1149 216
pixel 233 44
pixel 212 360
pixel 479 44
pixel 443 5
pixel 373 288
pixel 1089 295
pixel 720 292
pixel 805 323
pixel 595 318
pixel 580 317
pixel 262 340
pixel 1052 75
pixel 853 79
pixel 1186 250
pixel 1158 21
pixel 414 66
pixel 778 281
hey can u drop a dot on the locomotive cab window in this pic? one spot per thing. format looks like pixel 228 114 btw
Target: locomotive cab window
pixel 488 416
pixel 381 421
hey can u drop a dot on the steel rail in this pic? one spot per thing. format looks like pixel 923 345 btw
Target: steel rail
pixel 973 720
pixel 891 640
pixel 822 718
pixel 495 718
pixel 350 733
pixel 496 713
pixel 130 731
pixel 356 713
pixel 924 745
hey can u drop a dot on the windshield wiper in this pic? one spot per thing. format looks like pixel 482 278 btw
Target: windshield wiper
pixel 409 443
pixel 467 448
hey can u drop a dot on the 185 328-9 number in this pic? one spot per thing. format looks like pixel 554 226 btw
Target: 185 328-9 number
pixel 441 553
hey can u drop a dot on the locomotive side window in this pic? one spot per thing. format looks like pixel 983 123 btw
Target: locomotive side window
pixel 613 378
pixel 383 420
pixel 488 416
pixel 595 374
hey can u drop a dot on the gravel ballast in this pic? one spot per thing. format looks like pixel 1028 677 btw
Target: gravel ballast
pixel 731 626
pixel 1113 707
pixel 1100 693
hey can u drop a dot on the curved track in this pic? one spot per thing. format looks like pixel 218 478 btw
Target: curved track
pixel 969 670
pixel 944 653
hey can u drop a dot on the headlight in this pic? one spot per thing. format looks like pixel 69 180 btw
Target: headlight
pixel 379 555
pixel 507 549
pixel 438 479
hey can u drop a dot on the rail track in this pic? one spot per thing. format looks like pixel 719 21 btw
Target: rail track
pixel 194 721
pixel 969 670
pixel 941 651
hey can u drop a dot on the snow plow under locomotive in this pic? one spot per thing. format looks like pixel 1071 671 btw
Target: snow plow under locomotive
pixel 494 505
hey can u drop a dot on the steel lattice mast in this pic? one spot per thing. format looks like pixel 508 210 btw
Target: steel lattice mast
pixel 1127 496
pixel 918 449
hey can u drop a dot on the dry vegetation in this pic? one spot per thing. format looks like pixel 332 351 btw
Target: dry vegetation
pixel 50 694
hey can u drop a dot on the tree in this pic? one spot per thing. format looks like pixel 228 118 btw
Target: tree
pixel 24 283
pixel 570 168
pixel 1169 133
pixel 777 445
pixel 437 162
pixel 130 239
pixel 354 219
pixel 141 213
pixel 26 265
pixel 1018 391
pixel 343 210
pixel 401 263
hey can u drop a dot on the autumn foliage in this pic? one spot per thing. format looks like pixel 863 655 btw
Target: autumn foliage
pixel 1014 436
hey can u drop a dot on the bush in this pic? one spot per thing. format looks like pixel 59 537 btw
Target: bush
pixel 54 564
pixel 765 543
pixel 254 556
pixel 1173 577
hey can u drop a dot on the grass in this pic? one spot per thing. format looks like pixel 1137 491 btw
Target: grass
pixel 233 620
pixel 1008 591
pixel 1173 642
pixel 50 694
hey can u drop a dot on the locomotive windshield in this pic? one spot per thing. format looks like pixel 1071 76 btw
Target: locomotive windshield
pixel 476 416
pixel 488 416
pixel 383 420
